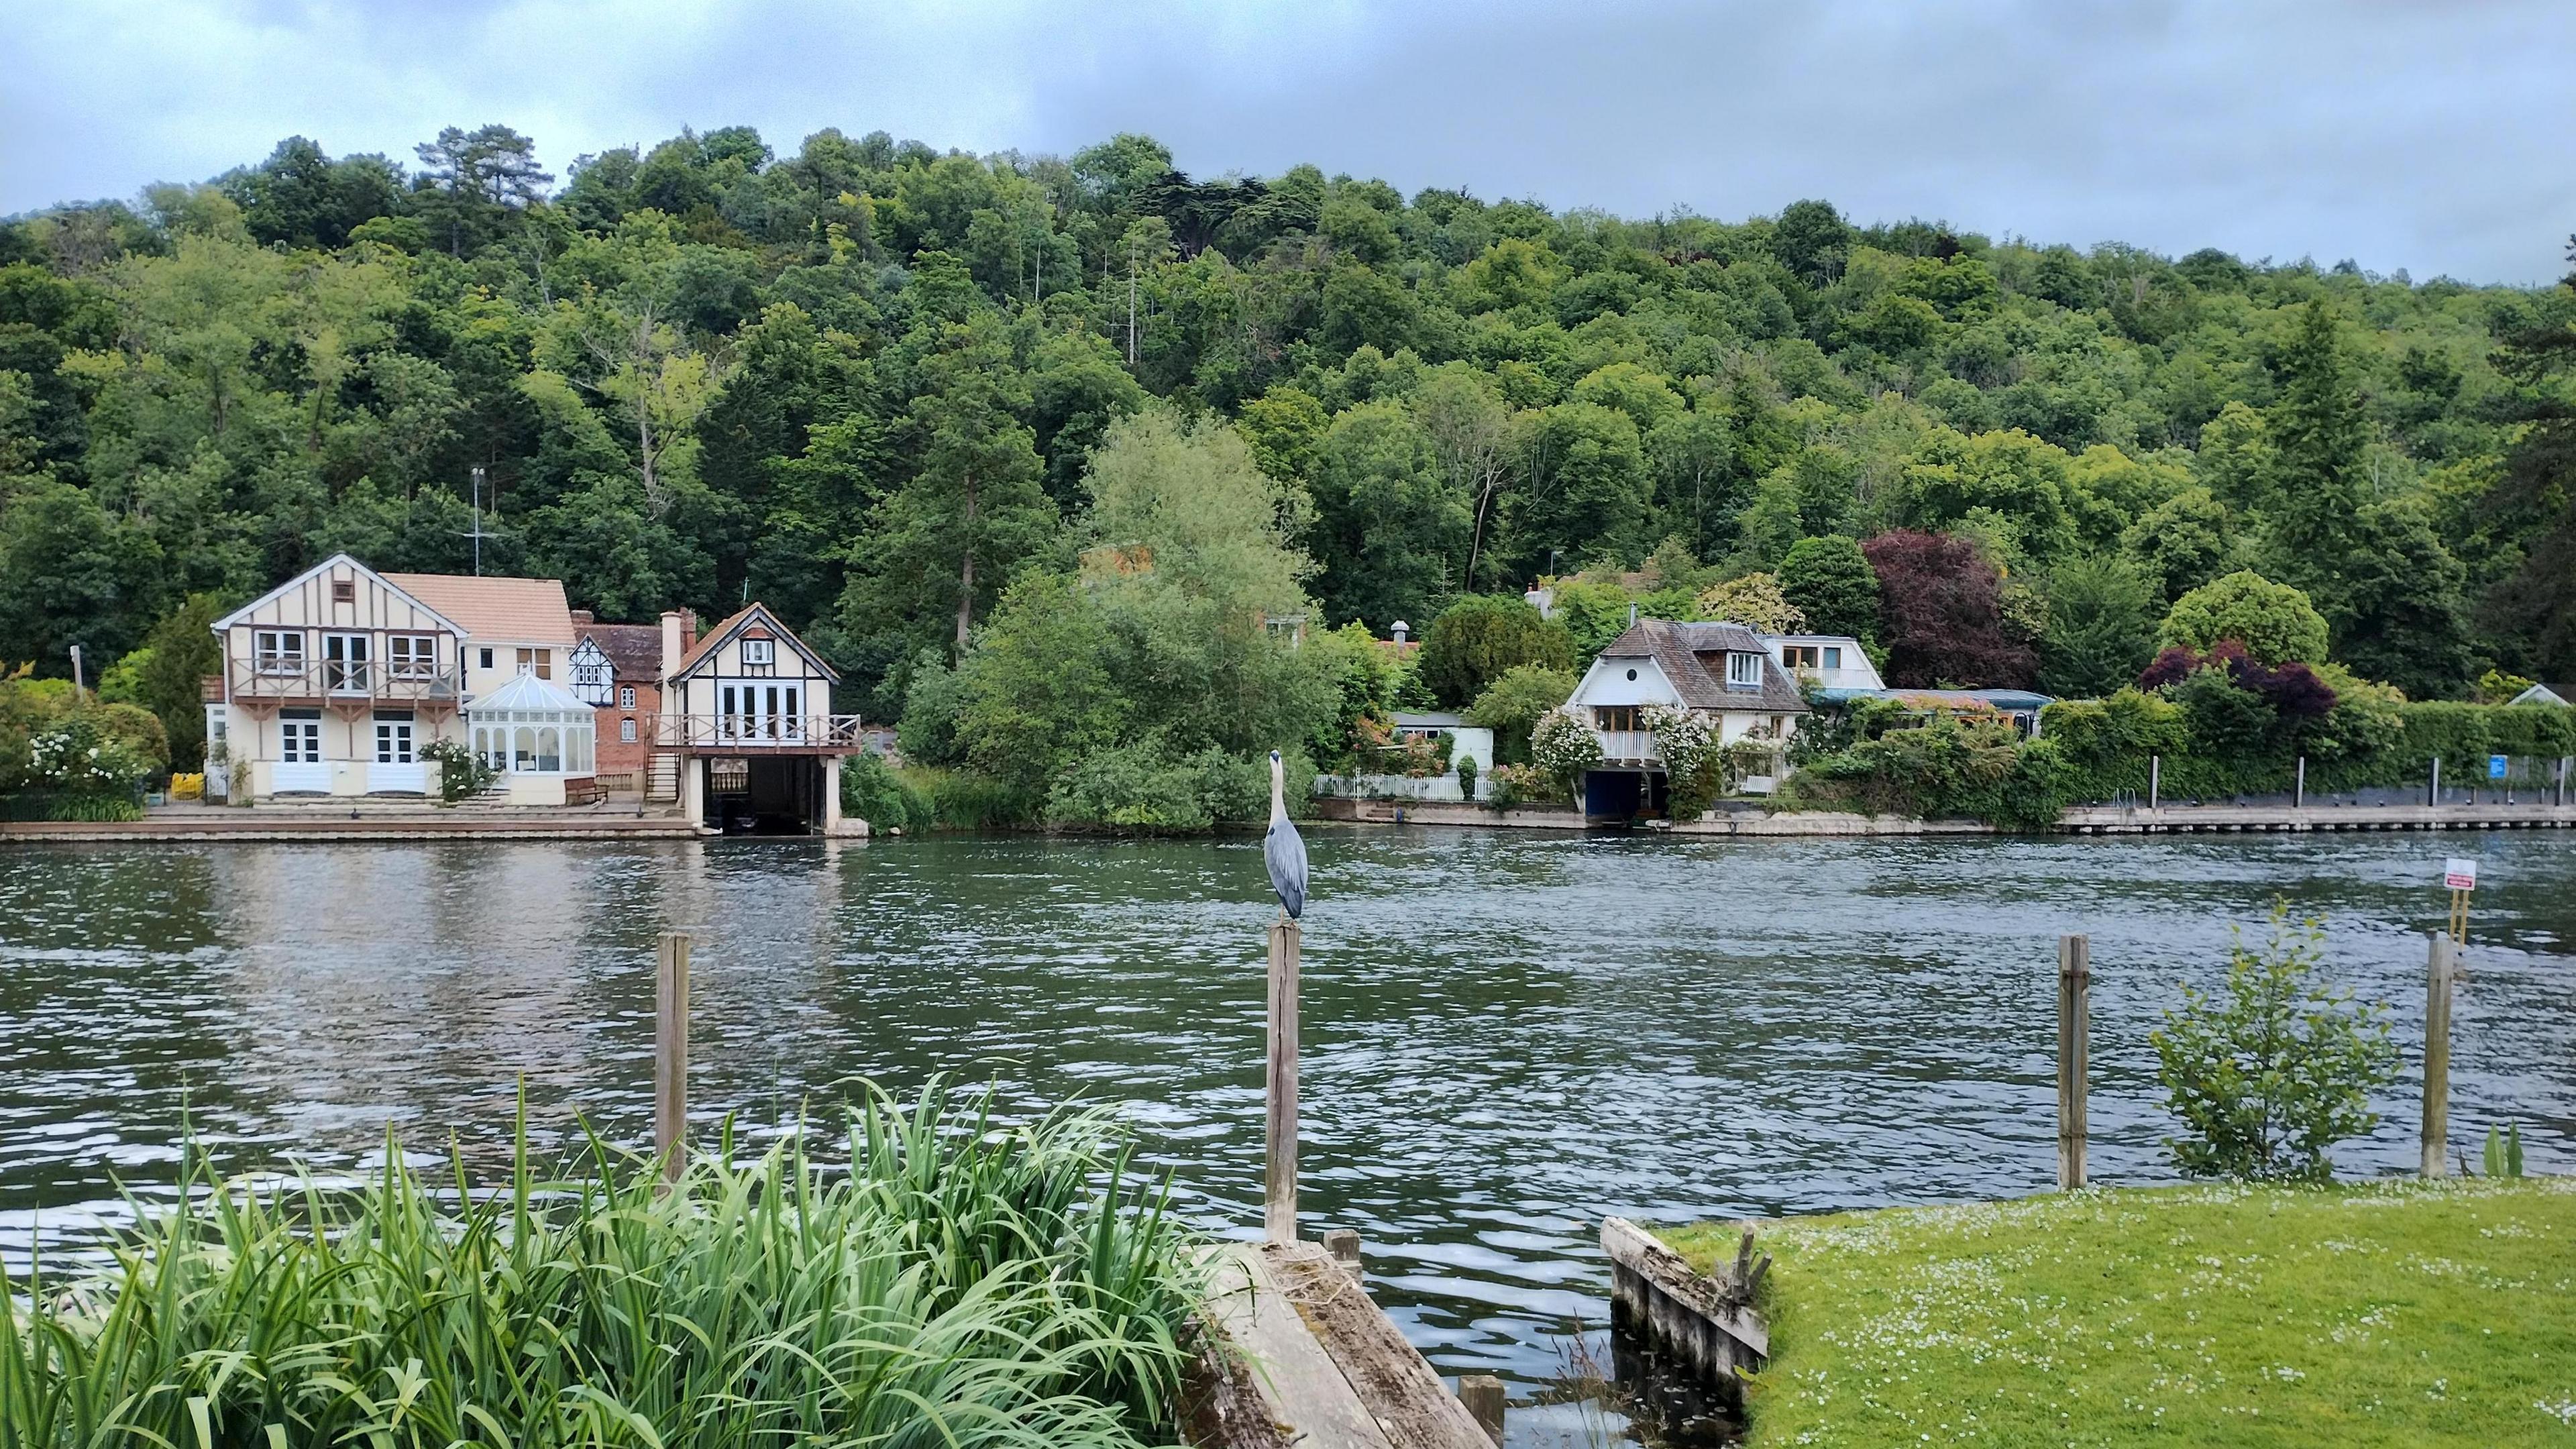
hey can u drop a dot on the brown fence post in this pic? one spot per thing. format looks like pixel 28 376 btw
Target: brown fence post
pixel 1279 1200
pixel 671 1052
pixel 2074 1051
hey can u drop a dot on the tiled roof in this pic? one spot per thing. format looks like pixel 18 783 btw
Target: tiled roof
pixel 516 611
pixel 1692 656
pixel 634 650
pixel 708 641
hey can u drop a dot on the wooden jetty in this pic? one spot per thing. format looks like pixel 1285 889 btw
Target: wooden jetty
pixel 1296 1354
pixel 1710 1322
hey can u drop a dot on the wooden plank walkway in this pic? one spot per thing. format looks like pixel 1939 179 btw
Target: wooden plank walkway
pixel 1321 1366
pixel 2235 819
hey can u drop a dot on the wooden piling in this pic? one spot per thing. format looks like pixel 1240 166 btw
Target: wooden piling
pixel 1483 1396
pixel 1344 1245
pixel 671 1052
pixel 2443 965
pixel 2155 781
pixel 2074 1054
pixel 1279 1199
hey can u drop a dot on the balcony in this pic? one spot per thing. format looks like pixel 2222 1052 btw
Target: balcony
pixel 290 679
pixel 1628 747
pixel 765 733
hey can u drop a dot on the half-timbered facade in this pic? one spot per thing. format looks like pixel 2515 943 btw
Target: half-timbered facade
pixel 747 708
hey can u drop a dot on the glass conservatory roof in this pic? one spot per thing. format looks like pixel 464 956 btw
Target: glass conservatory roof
pixel 529 695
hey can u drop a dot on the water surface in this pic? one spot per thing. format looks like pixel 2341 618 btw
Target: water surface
pixel 1506 1035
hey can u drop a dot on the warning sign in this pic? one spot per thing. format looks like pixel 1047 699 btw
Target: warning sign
pixel 2460 873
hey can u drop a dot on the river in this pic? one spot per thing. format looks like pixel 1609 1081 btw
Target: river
pixel 1507 1035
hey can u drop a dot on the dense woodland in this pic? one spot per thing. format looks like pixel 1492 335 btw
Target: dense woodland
pixel 1052 454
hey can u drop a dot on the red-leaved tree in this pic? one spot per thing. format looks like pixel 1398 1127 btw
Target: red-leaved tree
pixel 1940 611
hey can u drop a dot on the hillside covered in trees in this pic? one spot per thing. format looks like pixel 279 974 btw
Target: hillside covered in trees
pixel 866 382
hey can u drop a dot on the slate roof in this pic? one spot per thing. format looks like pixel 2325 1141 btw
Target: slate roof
pixel 634 650
pixel 1692 656
pixel 513 611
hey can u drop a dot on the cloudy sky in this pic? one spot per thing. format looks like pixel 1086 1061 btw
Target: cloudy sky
pixel 2429 135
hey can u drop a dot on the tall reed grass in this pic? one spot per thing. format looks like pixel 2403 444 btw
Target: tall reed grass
pixel 958 1283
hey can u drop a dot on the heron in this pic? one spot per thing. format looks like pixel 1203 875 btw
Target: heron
pixel 1281 847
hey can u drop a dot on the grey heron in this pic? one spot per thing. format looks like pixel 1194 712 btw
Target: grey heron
pixel 1282 849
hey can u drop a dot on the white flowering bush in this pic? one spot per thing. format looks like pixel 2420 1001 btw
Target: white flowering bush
pixel 1561 746
pixel 77 758
pixel 1694 760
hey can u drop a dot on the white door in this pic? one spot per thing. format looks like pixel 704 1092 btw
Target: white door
pixel 397 768
pixel 299 759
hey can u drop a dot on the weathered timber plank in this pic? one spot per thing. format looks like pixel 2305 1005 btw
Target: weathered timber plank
pixel 1653 1282
pixel 1401 1391
pixel 1308 1399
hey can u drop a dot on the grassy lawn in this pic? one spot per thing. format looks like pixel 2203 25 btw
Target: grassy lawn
pixel 2396 1313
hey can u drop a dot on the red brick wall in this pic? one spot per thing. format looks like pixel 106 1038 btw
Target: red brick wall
pixel 617 756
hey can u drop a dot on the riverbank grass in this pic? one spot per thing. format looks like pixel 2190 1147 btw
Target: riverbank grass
pixel 949 1282
pixel 2396 1313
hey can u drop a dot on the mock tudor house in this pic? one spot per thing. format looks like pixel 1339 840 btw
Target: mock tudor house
pixel 617 670
pixel 1721 670
pixel 335 682
pixel 746 712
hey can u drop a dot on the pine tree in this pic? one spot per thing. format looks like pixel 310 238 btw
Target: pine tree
pixel 2316 435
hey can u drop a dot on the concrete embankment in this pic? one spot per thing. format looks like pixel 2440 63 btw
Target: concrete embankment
pixel 2082 820
pixel 313 823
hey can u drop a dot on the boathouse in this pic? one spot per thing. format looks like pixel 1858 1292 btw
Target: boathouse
pixel 1720 670
pixel 747 716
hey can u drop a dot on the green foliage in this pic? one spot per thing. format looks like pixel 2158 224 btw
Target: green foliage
pixel 1515 702
pixel 2267 1078
pixel 462 774
pixel 2274 622
pixel 2503 1156
pixel 2101 628
pixel 875 792
pixel 1830 581
pixel 1754 600
pixel 1467 776
pixel 1592 613
pixel 954 1281
pixel 1483 637
pixel 1948 766
pixel 1146 788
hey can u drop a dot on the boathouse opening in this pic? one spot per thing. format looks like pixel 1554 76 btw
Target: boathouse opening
pixel 768 795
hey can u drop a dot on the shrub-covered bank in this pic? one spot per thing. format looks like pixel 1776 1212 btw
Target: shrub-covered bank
pixel 959 1284
pixel 2400 1313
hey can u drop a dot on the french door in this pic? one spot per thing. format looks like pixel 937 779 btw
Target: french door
pixel 344 663
pixel 299 768
pixel 762 712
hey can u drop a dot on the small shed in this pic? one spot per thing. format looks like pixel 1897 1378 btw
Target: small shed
pixel 1470 741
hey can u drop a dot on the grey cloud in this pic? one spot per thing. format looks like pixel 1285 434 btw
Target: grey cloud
pixel 2427 137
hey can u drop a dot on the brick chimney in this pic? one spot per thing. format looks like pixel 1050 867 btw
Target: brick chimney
pixel 581 617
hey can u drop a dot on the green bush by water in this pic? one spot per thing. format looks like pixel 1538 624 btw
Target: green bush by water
pixel 960 1283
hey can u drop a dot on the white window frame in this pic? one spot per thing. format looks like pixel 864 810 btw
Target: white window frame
pixel 626 696
pixel 396 742
pixel 309 732
pixel 626 732
pixel 1743 671
pixel 760 651
pixel 1833 656
pixel 539 662
pixel 270 654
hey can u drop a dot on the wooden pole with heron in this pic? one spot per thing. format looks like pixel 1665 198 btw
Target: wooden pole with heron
pixel 1283 851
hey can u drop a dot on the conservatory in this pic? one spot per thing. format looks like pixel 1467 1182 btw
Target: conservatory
pixel 537 734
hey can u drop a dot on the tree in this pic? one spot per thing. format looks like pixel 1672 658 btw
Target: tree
pixel 1482 637
pixel 176 658
pixel 2316 432
pixel 1470 427
pixel 2534 605
pixel 2010 479
pixel 2397 611
pixel 2274 622
pixel 1831 582
pixel 1811 239
pixel 2268 1078
pixel 2101 628
pixel 1755 601
pixel 2183 542
pixel 1515 701
pixel 1390 528
pixel 70 573
pixel 1584 490
pixel 472 184
pixel 1941 615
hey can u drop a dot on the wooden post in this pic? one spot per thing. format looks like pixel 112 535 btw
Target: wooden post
pixel 2437 1053
pixel 2074 1052
pixel 1344 1245
pixel 2155 779
pixel 671 1052
pixel 1483 1396
pixel 1279 1201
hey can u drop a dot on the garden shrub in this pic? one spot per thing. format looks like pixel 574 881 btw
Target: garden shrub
pixel 1514 703
pixel 1563 749
pixel 462 774
pixel 2269 1074
pixel 872 790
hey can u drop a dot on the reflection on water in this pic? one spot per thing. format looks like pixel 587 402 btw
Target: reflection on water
pixel 1505 1037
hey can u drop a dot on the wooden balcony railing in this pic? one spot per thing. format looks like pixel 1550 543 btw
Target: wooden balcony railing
pixel 289 678
pixel 753 731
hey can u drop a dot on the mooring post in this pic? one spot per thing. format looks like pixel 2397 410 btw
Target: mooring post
pixel 2155 780
pixel 671 1052
pixel 2437 1051
pixel 1483 1396
pixel 1279 1202
pixel 2433 792
pixel 2299 787
pixel 2074 1050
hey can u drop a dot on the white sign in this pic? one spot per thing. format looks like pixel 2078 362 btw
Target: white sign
pixel 2460 873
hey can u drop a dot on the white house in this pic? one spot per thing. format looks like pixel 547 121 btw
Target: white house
pixel 1725 671
pixel 1468 742
pixel 1831 661
pixel 334 682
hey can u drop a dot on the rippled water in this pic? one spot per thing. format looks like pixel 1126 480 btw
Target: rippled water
pixel 1506 1036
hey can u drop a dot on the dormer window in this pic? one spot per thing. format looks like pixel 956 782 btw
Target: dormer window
pixel 759 651
pixel 1743 671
